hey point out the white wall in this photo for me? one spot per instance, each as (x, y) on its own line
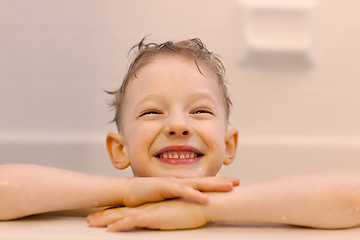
(294, 115)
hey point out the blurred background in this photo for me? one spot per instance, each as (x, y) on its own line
(292, 66)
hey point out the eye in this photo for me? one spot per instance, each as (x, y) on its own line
(203, 111)
(149, 112)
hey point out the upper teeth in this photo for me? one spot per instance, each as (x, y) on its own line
(178, 154)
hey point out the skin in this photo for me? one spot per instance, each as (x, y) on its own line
(319, 201)
(153, 120)
(32, 189)
(171, 105)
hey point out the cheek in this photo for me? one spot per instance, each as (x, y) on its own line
(213, 135)
(212, 132)
(140, 137)
(147, 132)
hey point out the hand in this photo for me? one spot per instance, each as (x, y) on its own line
(152, 189)
(166, 215)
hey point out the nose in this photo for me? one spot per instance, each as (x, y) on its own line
(183, 133)
(177, 126)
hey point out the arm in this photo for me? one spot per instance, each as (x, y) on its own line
(317, 201)
(327, 202)
(31, 189)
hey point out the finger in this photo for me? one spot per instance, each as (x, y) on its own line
(104, 212)
(94, 215)
(139, 220)
(183, 191)
(108, 217)
(100, 213)
(126, 223)
(190, 189)
(210, 180)
(212, 184)
(234, 180)
(162, 217)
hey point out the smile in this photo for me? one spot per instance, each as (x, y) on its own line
(179, 155)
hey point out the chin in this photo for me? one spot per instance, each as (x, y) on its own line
(182, 173)
(175, 172)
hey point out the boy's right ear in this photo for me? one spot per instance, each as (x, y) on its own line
(117, 150)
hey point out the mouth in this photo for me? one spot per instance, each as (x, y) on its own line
(179, 155)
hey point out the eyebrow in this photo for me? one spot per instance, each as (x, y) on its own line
(144, 100)
(147, 98)
(199, 94)
(204, 95)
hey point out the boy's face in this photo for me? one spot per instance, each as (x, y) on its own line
(173, 122)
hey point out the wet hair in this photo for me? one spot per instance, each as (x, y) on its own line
(191, 48)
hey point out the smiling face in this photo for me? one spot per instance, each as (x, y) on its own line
(173, 122)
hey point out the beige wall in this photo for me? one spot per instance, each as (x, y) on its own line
(297, 110)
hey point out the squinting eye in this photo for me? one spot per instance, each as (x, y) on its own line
(200, 111)
(148, 113)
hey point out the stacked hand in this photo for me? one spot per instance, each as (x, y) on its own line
(165, 215)
(171, 214)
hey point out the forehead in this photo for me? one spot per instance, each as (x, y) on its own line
(174, 61)
(176, 73)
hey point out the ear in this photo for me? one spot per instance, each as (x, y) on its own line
(231, 138)
(117, 150)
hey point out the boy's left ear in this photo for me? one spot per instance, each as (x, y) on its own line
(231, 138)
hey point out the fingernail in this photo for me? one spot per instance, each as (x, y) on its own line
(204, 199)
(92, 221)
(110, 227)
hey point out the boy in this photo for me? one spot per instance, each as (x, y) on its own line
(172, 115)
(31, 189)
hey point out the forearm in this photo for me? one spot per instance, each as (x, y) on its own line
(30, 189)
(313, 201)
